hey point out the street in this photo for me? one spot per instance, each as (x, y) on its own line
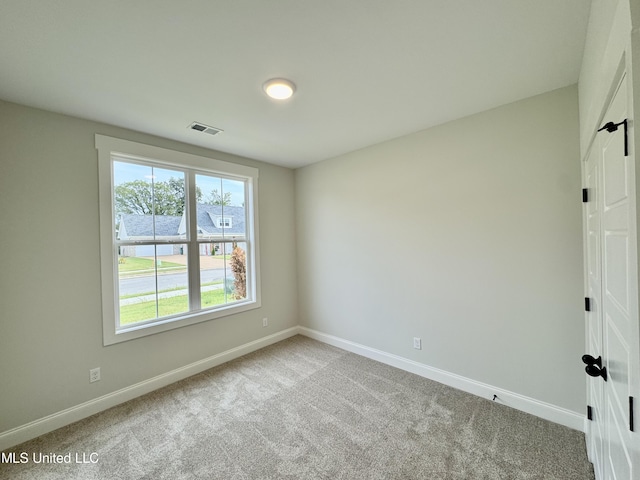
(146, 284)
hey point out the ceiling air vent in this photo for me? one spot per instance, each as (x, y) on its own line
(201, 127)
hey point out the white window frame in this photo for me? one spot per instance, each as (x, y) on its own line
(108, 148)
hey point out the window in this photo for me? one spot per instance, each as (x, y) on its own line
(223, 222)
(178, 239)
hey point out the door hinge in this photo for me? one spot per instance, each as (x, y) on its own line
(612, 127)
(587, 304)
(589, 412)
(585, 195)
(631, 414)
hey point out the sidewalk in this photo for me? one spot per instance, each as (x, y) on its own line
(174, 293)
(207, 262)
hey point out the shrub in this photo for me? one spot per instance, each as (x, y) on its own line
(239, 269)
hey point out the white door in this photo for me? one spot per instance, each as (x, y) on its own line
(612, 287)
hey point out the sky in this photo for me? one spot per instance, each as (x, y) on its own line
(126, 172)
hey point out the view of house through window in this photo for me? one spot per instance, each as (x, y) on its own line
(178, 239)
(153, 233)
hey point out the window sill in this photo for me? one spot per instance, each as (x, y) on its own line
(115, 335)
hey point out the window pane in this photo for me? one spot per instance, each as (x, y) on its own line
(220, 208)
(214, 270)
(152, 282)
(149, 202)
(222, 273)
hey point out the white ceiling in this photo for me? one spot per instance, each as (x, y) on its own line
(366, 70)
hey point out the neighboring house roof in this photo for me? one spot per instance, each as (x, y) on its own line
(140, 227)
(208, 215)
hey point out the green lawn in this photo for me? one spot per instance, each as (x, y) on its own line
(140, 312)
(134, 264)
(184, 287)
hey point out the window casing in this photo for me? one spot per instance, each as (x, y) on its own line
(171, 255)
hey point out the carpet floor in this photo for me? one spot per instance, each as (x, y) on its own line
(301, 409)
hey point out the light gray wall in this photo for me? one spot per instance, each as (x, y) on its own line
(467, 235)
(50, 298)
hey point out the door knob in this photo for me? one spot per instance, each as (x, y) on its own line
(594, 371)
(589, 360)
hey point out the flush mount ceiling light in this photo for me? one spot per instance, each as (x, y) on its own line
(279, 88)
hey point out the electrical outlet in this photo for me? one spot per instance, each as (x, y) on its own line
(265, 322)
(417, 343)
(94, 375)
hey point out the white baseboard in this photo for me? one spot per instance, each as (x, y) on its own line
(529, 405)
(49, 423)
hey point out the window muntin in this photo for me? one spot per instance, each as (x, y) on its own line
(180, 252)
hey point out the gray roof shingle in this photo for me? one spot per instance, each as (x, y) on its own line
(142, 225)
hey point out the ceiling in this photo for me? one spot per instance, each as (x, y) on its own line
(366, 70)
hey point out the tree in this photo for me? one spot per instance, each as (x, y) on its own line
(176, 187)
(216, 199)
(145, 198)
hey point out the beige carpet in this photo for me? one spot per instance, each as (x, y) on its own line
(301, 409)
